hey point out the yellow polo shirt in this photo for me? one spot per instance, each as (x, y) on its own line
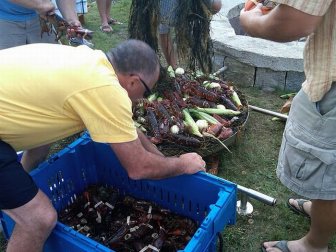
(50, 91)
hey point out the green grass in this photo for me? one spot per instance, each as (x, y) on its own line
(252, 163)
(105, 41)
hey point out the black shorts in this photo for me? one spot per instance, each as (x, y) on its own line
(16, 185)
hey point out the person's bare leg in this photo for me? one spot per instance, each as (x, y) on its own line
(108, 9)
(323, 223)
(101, 5)
(34, 222)
(322, 228)
(31, 158)
(166, 44)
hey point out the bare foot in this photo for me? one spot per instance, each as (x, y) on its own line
(306, 205)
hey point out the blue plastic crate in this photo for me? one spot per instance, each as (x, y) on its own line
(207, 199)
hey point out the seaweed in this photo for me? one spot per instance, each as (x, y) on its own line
(143, 21)
(192, 29)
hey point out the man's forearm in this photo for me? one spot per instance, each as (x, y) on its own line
(158, 167)
(147, 144)
(282, 24)
(68, 11)
(142, 164)
(31, 158)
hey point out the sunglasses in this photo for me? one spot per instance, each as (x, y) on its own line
(148, 92)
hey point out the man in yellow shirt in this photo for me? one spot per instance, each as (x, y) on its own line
(307, 157)
(48, 92)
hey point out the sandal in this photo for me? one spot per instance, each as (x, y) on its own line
(299, 209)
(281, 245)
(106, 28)
(113, 21)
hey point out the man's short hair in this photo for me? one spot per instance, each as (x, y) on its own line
(134, 56)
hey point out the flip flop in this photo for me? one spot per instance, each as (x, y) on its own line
(282, 245)
(298, 210)
(113, 21)
(106, 28)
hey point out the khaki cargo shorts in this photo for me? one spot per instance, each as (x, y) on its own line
(307, 157)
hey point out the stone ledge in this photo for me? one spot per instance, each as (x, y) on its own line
(260, 52)
(243, 74)
(254, 51)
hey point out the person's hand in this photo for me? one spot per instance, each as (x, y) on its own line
(257, 11)
(246, 17)
(79, 31)
(192, 163)
(74, 23)
(45, 8)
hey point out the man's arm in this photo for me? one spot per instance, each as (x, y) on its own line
(68, 10)
(147, 144)
(33, 157)
(142, 164)
(42, 7)
(282, 24)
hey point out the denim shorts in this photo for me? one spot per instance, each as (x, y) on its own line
(16, 186)
(307, 157)
(168, 11)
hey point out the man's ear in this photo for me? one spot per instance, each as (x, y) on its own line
(127, 81)
(132, 81)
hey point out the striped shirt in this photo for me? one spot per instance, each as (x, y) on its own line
(320, 49)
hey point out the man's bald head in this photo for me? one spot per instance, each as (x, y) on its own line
(134, 57)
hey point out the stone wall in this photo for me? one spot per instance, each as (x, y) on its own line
(252, 61)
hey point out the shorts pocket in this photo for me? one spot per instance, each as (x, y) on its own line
(299, 164)
(310, 147)
(303, 164)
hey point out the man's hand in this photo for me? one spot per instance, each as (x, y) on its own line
(45, 8)
(247, 16)
(192, 163)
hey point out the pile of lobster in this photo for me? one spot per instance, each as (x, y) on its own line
(126, 224)
(190, 108)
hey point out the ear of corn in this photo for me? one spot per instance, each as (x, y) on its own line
(219, 111)
(235, 98)
(191, 123)
(204, 116)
